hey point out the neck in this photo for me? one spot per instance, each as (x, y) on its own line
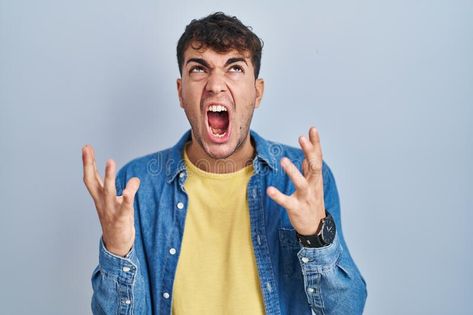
(243, 156)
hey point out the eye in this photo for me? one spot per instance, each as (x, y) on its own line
(236, 68)
(197, 69)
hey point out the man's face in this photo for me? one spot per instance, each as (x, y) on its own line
(219, 93)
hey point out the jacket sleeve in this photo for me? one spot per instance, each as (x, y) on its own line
(332, 282)
(117, 282)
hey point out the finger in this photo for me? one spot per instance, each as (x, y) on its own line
(130, 191)
(280, 198)
(314, 163)
(305, 168)
(318, 185)
(109, 181)
(314, 137)
(89, 178)
(96, 171)
(294, 174)
(97, 176)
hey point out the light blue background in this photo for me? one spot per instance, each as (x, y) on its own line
(389, 84)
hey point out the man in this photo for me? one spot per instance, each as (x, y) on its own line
(224, 222)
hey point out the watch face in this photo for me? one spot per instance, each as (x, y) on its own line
(328, 232)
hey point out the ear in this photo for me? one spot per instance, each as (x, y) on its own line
(179, 91)
(259, 85)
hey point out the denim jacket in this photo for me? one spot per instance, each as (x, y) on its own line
(293, 279)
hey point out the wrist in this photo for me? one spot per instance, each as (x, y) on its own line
(323, 237)
(121, 251)
(314, 229)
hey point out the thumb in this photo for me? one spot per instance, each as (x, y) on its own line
(130, 191)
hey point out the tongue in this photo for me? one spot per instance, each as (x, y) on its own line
(218, 120)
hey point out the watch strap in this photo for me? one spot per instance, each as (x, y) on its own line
(315, 240)
(312, 241)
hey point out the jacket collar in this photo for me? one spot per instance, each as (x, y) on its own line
(267, 153)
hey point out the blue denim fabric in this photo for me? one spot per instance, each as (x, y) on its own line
(294, 280)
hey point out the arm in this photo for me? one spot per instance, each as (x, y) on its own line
(117, 281)
(332, 281)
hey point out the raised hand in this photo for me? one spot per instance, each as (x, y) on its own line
(116, 213)
(305, 207)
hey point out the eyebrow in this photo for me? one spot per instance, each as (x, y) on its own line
(205, 63)
(235, 59)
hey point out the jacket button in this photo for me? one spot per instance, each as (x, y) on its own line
(166, 295)
(180, 205)
(172, 251)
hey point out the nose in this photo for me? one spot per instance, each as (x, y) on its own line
(216, 83)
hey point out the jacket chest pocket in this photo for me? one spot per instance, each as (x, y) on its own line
(289, 247)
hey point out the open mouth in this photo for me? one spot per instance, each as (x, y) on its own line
(218, 120)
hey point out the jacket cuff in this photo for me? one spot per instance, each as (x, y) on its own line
(318, 259)
(123, 269)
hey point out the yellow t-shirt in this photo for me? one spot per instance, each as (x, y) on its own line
(216, 272)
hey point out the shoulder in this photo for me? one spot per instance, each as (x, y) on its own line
(158, 165)
(150, 166)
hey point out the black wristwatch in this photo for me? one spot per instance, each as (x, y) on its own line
(324, 237)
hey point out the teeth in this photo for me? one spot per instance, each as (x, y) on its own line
(217, 108)
(216, 134)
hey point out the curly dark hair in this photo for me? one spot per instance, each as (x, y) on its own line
(221, 33)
